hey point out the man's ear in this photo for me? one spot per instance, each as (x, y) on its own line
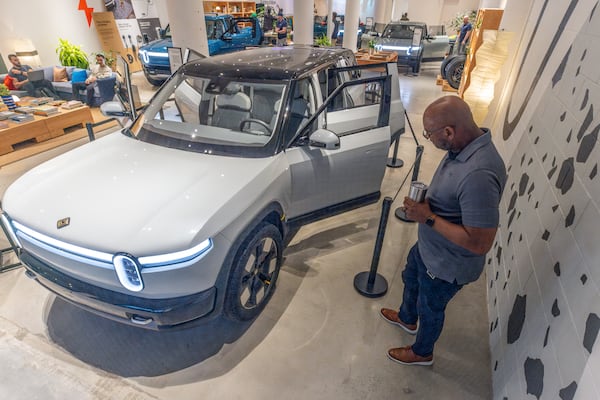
(449, 131)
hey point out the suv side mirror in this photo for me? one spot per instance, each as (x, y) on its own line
(226, 36)
(324, 139)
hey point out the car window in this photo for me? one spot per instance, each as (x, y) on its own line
(196, 113)
(398, 31)
(214, 29)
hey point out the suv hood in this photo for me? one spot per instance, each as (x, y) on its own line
(118, 190)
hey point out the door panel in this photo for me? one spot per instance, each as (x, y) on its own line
(359, 116)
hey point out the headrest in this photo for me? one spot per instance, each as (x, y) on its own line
(239, 101)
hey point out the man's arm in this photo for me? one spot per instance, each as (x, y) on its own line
(476, 240)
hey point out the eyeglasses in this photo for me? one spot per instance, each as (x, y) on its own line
(427, 134)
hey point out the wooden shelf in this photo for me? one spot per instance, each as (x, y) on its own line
(235, 8)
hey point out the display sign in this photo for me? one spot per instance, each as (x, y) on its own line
(148, 28)
(417, 34)
(113, 40)
(175, 58)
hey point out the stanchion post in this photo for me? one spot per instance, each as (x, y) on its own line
(394, 162)
(90, 130)
(370, 283)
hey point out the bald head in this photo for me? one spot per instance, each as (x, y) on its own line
(453, 113)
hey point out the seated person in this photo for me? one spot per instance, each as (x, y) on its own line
(21, 82)
(100, 70)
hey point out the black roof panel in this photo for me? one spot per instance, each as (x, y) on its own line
(270, 63)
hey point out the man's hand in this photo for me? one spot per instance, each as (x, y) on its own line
(417, 212)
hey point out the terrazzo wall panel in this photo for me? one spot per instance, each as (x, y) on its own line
(544, 270)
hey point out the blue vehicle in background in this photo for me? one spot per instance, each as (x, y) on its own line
(225, 34)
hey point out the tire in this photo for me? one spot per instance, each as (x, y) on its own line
(454, 71)
(254, 272)
(445, 62)
(154, 82)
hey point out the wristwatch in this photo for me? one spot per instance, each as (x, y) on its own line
(430, 220)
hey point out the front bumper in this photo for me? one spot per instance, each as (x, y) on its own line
(157, 72)
(155, 314)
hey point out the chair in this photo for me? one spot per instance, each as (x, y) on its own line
(231, 110)
(299, 111)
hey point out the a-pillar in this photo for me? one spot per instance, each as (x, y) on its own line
(188, 28)
(351, 17)
(383, 11)
(303, 22)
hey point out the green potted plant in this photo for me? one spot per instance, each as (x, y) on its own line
(323, 41)
(7, 97)
(71, 55)
(4, 90)
(371, 46)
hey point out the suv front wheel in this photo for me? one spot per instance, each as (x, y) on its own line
(254, 272)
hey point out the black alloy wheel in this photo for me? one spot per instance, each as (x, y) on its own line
(254, 273)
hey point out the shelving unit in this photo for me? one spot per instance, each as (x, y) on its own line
(235, 8)
(487, 18)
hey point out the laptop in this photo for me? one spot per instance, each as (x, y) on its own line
(35, 75)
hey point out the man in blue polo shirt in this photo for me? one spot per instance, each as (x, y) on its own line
(457, 225)
(465, 34)
(281, 29)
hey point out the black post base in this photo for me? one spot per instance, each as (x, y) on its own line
(395, 162)
(377, 289)
(401, 215)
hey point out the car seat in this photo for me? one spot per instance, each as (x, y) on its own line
(232, 109)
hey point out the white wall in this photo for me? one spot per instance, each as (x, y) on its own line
(41, 29)
(543, 274)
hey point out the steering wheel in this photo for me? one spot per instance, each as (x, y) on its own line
(257, 121)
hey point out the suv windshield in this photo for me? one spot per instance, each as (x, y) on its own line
(398, 31)
(212, 115)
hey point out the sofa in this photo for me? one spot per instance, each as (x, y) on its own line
(63, 85)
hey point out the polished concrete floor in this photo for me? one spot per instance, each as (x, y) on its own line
(317, 339)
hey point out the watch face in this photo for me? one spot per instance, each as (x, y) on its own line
(430, 221)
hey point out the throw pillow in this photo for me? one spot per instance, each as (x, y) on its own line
(79, 75)
(60, 74)
(10, 84)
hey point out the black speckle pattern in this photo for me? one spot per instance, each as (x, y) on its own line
(586, 123)
(546, 336)
(534, 376)
(566, 176)
(561, 68)
(583, 279)
(523, 184)
(592, 324)
(557, 269)
(555, 309)
(594, 172)
(570, 217)
(587, 144)
(567, 393)
(516, 319)
(546, 235)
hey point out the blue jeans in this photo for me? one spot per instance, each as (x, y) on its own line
(424, 299)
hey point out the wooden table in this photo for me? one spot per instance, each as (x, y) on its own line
(43, 128)
(363, 57)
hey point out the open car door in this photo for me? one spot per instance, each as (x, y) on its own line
(337, 158)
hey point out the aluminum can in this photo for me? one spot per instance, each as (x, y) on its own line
(417, 191)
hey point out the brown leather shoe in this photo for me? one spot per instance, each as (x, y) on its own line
(391, 316)
(405, 356)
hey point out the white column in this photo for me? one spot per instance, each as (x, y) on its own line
(187, 25)
(383, 11)
(303, 22)
(351, 24)
(492, 4)
(329, 21)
